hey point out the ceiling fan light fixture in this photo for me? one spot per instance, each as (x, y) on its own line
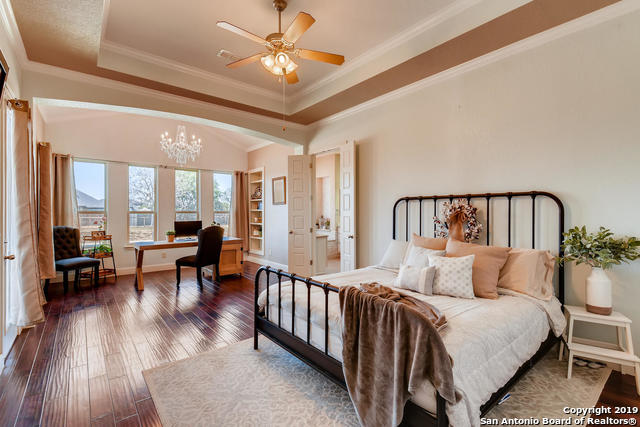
(274, 64)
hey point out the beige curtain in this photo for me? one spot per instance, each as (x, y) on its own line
(241, 208)
(65, 204)
(27, 297)
(46, 258)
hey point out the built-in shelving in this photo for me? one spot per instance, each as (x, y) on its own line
(256, 211)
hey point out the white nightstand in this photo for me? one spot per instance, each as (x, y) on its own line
(621, 354)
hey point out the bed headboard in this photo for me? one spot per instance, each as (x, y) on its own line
(484, 203)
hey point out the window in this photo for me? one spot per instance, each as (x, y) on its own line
(187, 201)
(90, 179)
(222, 188)
(142, 203)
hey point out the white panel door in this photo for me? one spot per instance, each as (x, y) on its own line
(348, 236)
(300, 177)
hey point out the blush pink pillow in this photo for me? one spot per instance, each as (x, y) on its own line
(436, 243)
(530, 272)
(486, 265)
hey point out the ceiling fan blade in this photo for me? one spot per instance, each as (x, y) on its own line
(245, 61)
(239, 31)
(315, 55)
(292, 78)
(297, 28)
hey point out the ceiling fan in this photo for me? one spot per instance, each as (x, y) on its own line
(281, 46)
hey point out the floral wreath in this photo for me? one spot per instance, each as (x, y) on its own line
(458, 210)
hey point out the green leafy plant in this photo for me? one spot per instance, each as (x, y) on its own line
(600, 249)
(170, 233)
(103, 249)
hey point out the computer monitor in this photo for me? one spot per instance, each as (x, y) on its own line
(187, 228)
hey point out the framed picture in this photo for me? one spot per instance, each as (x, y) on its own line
(279, 193)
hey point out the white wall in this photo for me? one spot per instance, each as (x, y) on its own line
(274, 159)
(135, 139)
(561, 117)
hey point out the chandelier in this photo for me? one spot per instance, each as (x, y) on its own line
(181, 149)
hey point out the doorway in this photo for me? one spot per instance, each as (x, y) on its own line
(327, 209)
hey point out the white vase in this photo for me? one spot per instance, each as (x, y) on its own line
(598, 291)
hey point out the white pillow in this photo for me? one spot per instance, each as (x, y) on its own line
(453, 276)
(416, 279)
(419, 257)
(394, 254)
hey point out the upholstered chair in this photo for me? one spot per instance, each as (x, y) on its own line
(209, 248)
(68, 256)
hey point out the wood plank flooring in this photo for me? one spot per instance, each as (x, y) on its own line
(84, 365)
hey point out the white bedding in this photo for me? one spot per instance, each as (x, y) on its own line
(488, 340)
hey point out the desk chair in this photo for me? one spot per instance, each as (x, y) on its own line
(66, 247)
(209, 248)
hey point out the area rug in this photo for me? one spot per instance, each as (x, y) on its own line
(236, 386)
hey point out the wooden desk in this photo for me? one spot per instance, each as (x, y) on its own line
(230, 257)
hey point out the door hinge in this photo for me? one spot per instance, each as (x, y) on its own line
(310, 229)
(310, 165)
(310, 262)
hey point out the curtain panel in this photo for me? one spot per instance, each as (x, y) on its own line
(46, 258)
(241, 208)
(27, 297)
(65, 204)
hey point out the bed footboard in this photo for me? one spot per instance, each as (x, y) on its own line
(318, 358)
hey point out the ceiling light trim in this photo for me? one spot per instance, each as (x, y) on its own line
(161, 61)
(584, 22)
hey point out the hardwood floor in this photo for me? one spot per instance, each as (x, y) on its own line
(84, 365)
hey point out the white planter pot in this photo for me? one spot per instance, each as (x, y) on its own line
(598, 292)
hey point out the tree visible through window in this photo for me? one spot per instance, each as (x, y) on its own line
(222, 190)
(142, 203)
(90, 193)
(187, 202)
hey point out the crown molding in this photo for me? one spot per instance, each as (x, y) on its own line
(160, 61)
(455, 8)
(584, 22)
(11, 27)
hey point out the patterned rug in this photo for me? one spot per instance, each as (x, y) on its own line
(239, 386)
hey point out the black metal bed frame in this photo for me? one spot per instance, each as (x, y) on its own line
(320, 359)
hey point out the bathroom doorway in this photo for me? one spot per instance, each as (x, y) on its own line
(327, 208)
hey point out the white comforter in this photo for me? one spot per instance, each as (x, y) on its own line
(488, 340)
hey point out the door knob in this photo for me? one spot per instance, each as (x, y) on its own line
(290, 231)
(9, 257)
(350, 236)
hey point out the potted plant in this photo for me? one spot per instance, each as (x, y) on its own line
(171, 235)
(601, 250)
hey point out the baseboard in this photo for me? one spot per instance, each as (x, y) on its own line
(263, 261)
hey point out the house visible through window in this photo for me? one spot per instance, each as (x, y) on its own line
(90, 179)
(222, 190)
(142, 203)
(187, 200)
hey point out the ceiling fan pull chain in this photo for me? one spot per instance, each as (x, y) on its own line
(283, 103)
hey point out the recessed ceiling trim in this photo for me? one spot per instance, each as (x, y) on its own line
(381, 49)
(584, 22)
(186, 69)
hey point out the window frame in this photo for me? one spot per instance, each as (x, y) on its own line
(106, 184)
(197, 211)
(213, 181)
(154, 213)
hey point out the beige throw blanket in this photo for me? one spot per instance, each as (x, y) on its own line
(390, 346)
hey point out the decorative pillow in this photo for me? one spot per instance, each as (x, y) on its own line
(486, 267)
(394, 254)
(529, 271)
(416, 279)
(437, 243)
(419, 257)
(453, 276)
